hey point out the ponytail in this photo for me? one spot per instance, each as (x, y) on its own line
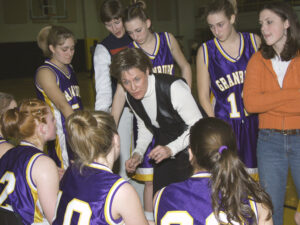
(213, 145)
(20, 122)
(9, 123)
(136, 10)
(229, 7)
(90, 135)
(234, 6)
(229, 179)
(52, 35)
(42, 40)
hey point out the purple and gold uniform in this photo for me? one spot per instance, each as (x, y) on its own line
(18, 191)
(161, 58)
(189, 203)
(59, 149)
(87, 196)
(163, 63)
(227, 76)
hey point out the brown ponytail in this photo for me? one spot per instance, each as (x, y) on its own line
(20, 122)
(136, 10)
(231, 185)
(90, 135)
(52, 35)
(229, 7)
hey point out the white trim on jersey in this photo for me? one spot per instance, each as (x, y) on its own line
(205, 54)
(156, 203)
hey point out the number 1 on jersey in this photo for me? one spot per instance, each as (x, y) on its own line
(234, 112)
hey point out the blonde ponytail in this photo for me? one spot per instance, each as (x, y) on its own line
(42, 40)
(234, 6)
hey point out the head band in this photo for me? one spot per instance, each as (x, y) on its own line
(222, 148)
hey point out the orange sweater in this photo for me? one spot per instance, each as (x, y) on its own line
(278, 108)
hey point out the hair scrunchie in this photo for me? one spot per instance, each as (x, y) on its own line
(222, 148)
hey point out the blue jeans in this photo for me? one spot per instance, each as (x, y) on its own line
(275, 154)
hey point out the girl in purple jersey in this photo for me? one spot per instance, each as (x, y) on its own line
(221, 66)
(221, 17)
(7, 102)
(56, 84)
(89, 187)
(57, 44)
(31, 177)
(220, 191)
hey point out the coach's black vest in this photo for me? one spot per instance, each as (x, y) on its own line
(170, 122)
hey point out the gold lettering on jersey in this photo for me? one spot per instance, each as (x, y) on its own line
(218, 83)
(224, 83)
(165, 69)
(71, 92)
(231, 80)
(236, 78)
(242, 75)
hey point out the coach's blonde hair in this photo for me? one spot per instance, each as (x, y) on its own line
(90, 135)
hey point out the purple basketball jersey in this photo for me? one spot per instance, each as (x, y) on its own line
(18, 191)
(161, 58)
(87, 196)
(227, 77)
(188, 202)
(60, 151)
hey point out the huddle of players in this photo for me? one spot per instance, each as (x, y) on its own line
(90, 193)
(221, 188)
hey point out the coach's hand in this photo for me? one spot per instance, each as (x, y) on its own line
(159, 153)
(133, 162)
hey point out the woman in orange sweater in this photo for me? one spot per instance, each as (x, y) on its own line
(272, 89)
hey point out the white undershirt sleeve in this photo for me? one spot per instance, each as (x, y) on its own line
(185, 104)
(102, 60)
